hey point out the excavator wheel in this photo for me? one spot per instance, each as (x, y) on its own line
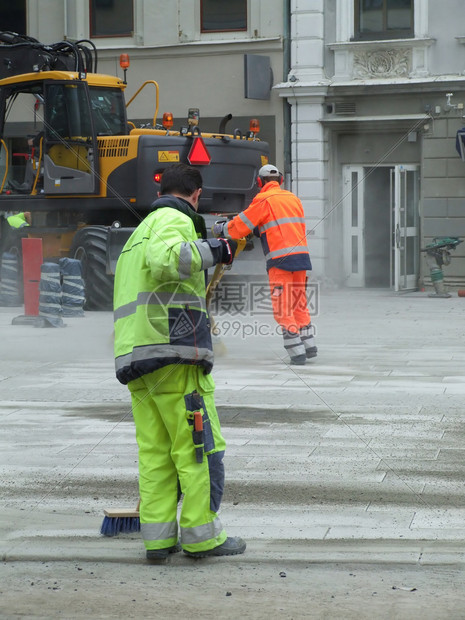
(90, 246)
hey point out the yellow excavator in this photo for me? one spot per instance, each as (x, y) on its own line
(87, 175)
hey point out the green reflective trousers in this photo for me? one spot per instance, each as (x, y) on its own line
(162, 410)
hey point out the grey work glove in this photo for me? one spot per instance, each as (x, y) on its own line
(218, 228)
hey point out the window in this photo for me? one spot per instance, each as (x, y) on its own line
(111, 18)
(108, 111)
(383, 19)
(13, 15)
(67, 113)
(222, 15)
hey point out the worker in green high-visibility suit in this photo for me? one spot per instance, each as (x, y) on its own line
(19, 220)
(163, 352)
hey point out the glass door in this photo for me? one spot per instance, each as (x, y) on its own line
(353, 210)
(405, 227)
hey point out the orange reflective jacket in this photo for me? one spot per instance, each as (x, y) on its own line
(279, 217)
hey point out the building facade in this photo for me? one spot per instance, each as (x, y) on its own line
(360, 100)
(377, 92)
(202, 53)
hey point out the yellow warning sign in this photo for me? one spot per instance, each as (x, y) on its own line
(164, 156)
(264, 159)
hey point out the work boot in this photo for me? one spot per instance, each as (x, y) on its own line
(162, 554)
(231, 546)
(298, 360)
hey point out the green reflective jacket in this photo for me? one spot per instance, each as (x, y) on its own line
(17, 221)
(160, 310)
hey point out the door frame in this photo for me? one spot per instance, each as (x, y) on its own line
(401, 231)
(353, 202)
(353, 225)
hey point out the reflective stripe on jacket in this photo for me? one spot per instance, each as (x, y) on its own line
(279, 217)
(160, 310)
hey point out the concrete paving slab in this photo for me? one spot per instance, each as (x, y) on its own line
(355, 457)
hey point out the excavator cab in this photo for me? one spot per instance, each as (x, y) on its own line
(52, 126)
(69, 156)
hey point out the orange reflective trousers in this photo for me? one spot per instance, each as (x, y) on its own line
(289, 299)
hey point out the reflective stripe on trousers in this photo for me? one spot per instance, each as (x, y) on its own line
(293, 344)
(166, 453)
(290, 309)
(307, 337)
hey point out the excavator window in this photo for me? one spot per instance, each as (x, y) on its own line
(67, 112)
(108, 111)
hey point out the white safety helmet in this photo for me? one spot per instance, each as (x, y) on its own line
(267, 173)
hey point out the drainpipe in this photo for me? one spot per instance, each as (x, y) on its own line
(286, 104)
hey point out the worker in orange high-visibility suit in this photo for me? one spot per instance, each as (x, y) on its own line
(277, 216)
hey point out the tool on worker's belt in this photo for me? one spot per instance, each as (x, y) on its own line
(195, 408)
(197, 436)
(437, 255)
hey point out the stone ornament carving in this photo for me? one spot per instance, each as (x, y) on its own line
(382, 64)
